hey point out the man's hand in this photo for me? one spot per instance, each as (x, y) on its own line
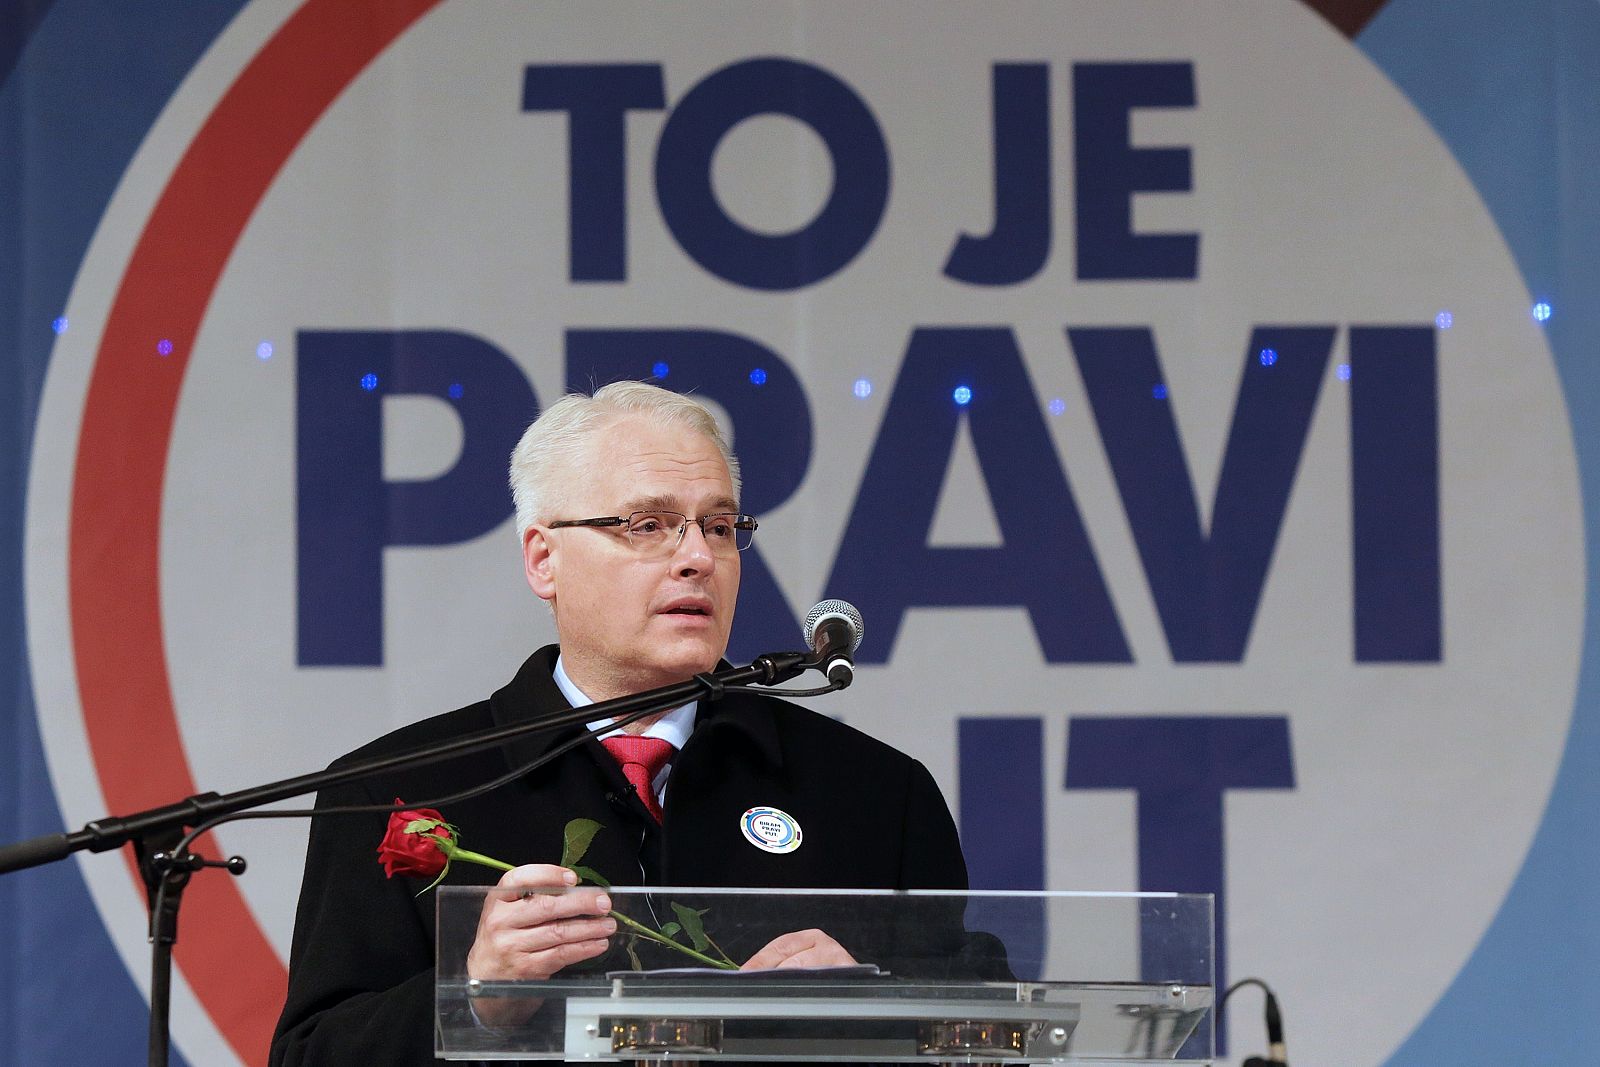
(803, 948)
(534, 935)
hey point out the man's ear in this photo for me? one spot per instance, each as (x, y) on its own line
(538, 562)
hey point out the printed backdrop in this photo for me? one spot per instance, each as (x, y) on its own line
(1196, 399)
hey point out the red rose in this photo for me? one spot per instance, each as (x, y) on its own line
(418, 843)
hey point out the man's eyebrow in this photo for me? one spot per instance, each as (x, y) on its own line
(720, 505)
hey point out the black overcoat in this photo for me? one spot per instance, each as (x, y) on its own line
(361, 966)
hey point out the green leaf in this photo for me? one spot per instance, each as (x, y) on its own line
(575, 840)
(589, 874)
(633, 953)
(670, 930)
(692, 925)
(421, 826)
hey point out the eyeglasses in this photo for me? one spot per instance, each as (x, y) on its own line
(659, 533)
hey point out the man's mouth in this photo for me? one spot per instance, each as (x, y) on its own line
(687, 609)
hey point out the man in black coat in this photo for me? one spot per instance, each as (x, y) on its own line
(628, 514)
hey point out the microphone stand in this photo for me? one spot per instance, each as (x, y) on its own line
(155, 831)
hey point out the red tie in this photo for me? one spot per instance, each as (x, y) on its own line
(642, 759)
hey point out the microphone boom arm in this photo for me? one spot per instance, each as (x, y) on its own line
(103, 835)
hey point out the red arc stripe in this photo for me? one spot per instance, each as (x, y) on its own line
(114, 537)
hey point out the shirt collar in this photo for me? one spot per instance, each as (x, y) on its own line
(533, 692)
(674, 727)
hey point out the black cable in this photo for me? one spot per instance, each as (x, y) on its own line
(1277, 1055)
(819, 691)
(1235, 987)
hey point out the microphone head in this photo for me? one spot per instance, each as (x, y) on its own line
(836, 609)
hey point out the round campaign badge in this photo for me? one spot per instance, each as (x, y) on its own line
(770, 830)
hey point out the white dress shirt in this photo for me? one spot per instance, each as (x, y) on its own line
(674, 727)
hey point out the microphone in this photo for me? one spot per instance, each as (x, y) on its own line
(1275, 1045)
(834, 630)
(1277, 1052)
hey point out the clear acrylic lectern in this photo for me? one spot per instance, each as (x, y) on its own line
(979, 977)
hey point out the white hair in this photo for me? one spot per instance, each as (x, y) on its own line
(555, 451)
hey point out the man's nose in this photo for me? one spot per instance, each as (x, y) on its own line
(693, 554)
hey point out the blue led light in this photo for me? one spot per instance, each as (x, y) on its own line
(164, 346)
(962, 395)
(862, 388)
(264, 351)
(1444, 320)
(1057, 406)
(1343, 371)
(659, 370)
(1541, 311)
(59, 325)
(1269, 356)
(1159, 392)
(369, 381)
(758, 377)
(455, 391)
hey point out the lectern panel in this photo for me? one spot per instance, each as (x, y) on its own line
(976, 977)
